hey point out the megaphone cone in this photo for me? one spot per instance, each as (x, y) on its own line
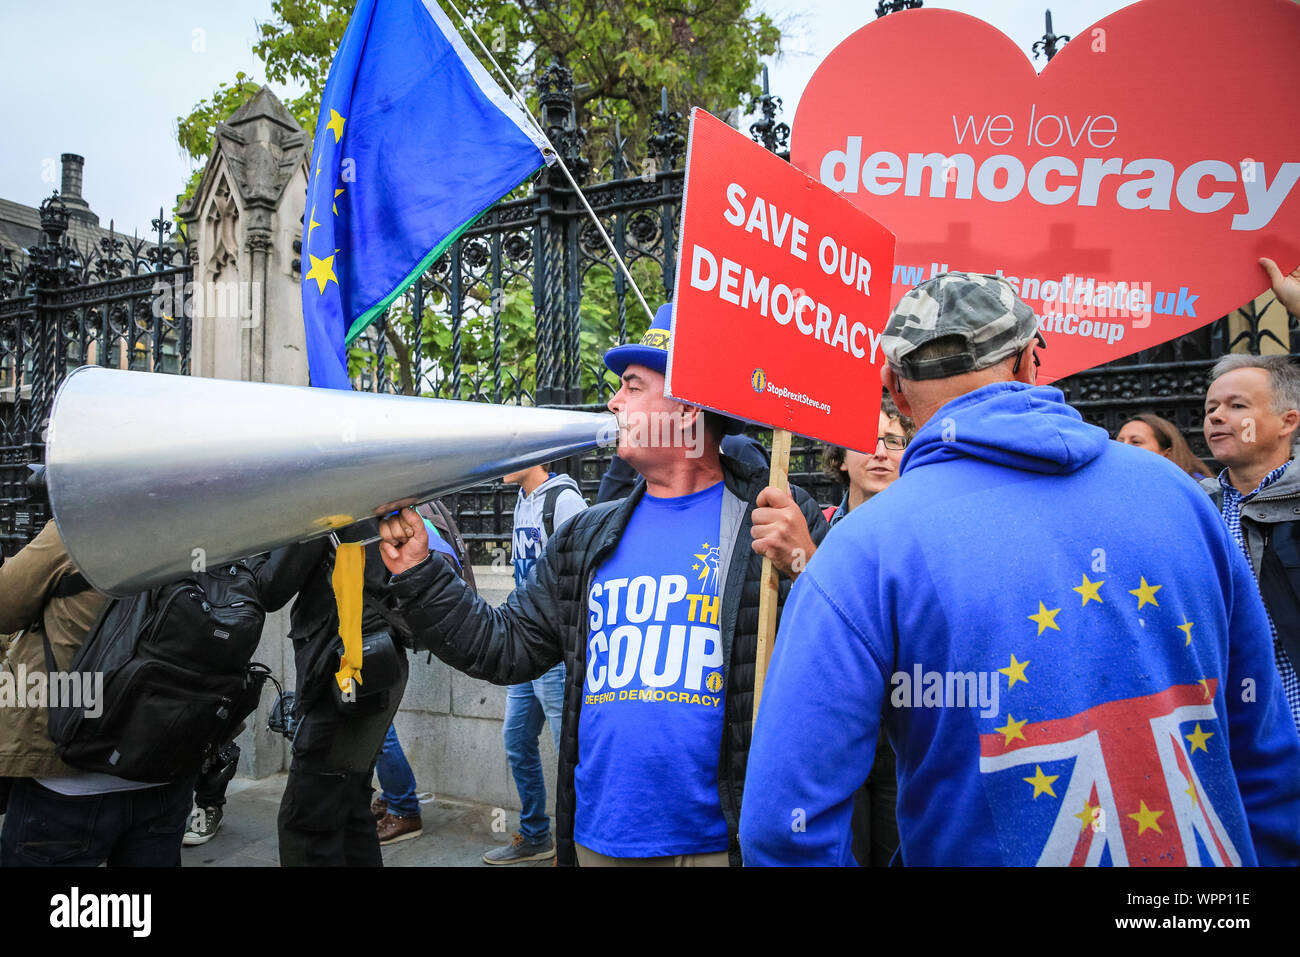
(153, 476)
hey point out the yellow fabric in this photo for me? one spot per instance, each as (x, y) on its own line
(349, 569)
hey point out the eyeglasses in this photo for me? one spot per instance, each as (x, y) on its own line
(1042, 344)
(895, 443)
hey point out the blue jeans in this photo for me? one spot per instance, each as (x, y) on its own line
(527, 705)
(141, 828)
(396, 782)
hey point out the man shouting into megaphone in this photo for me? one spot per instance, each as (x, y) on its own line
(651, 602)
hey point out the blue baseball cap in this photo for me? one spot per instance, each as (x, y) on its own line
(652, 352)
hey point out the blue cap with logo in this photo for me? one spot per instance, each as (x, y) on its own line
(652, 352)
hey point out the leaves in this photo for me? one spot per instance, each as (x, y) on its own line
(621, 53)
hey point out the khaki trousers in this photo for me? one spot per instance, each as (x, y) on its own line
(589, 858)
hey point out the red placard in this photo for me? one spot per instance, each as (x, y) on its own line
(782, 292)
(1158, 150)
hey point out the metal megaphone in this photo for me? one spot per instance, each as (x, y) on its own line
(148, 473)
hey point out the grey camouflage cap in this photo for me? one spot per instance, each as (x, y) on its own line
(982, 310)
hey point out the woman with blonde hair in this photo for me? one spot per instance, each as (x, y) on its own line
(1161, 436)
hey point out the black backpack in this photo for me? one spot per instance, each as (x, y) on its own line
(176, 677)
(549, 499)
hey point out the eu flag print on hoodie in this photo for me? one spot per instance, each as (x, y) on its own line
(650, 730)
(1070, 653)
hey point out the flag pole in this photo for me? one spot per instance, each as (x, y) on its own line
(523, 105)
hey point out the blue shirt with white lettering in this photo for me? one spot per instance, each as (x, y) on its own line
(650, 728)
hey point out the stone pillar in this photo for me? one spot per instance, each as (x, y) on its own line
(246, 219)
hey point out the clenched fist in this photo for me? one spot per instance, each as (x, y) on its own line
(405, 540)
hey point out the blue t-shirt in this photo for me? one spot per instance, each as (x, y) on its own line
(652, 709)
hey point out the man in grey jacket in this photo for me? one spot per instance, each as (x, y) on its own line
(1252, 420)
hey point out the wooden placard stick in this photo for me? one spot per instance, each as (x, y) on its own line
(770, 580)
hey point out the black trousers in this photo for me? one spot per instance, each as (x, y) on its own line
(875, 822)
(140, 828)
(324, 818)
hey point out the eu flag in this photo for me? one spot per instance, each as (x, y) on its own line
(415, 141)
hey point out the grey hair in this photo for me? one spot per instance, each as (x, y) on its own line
(1283, 377)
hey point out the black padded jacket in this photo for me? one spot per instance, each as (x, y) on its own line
(544, 621)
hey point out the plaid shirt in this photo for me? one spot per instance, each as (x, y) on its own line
(1232, 502)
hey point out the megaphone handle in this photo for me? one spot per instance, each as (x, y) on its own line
(334, 540)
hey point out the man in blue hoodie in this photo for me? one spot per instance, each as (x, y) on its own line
(1071, 656)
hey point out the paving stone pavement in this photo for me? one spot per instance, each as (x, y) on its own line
(455, 834)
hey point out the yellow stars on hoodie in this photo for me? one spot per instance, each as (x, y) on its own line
(1042, 782)
(1089, 591)
(1046, 618)
(1146, 594)
(1198, 739)
(1146, 819)
(1088, 816)
(1011, 730)
(1014, 672)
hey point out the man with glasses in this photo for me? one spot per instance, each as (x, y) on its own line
(1070, 649)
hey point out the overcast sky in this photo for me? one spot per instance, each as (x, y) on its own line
(108, 80)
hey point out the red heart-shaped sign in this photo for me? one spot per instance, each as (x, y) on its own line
(1128, 189)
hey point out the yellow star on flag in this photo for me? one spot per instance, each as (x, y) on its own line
(1086, 815)
(335, 125)
(1146, 819)
(1205, 683)
(1012, 729)
(1146, 594)
(312, 224)
(1089, 591)
(337, 194)
(322, 270)
(1186, 628)
(1014, 672)
(1198, 739)
(1191, 790)
(1042, 782)
(1045, 618)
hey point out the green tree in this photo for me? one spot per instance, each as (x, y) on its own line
(621, 52)
(705, 52)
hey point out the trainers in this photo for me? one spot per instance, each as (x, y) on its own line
(519, 850)
(393, 829)
(204, 822)
(378, 808)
